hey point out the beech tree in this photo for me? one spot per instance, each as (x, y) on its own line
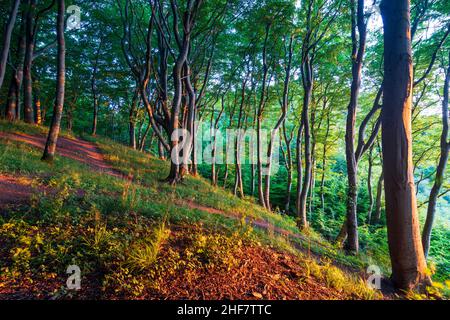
(55, 126)
(409, 268)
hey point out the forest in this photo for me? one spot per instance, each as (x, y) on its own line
(225, 149)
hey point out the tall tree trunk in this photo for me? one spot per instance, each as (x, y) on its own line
(94, 89)
(284, 107)
(7, 39)
(299, 174)
(50, 147)
(324, 162)
(377, 214)
(132, 120)
(288, 161)
(261, 106)
(358, 49)
(37, 102)
(29, 51)
(238, 185)
(369, 186)
(439, 179)
(307, 85)
(13, 101)
(409, 267)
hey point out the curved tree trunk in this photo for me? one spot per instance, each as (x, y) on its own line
(409, 268)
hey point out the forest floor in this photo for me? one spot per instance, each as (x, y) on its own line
(103, 206)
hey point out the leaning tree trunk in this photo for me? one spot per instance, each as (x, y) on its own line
(409, 268)
(439, 179)
(7, 39)
(50, 147)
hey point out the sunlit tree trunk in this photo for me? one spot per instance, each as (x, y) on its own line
(405, 246)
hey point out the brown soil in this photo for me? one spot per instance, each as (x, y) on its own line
(14, 191)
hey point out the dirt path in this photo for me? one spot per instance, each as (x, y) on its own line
(76, 149)
(15, 191)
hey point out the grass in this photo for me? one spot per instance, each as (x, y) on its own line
(116, 224)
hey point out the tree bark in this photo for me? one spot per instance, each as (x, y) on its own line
(94, 89)
(13, 101)
(369, 186)
(29, 51)
(358, 49)
(409, 269)
(284, 107)
(442, 165)
(50, 147)
(7, 39)
(377, 214)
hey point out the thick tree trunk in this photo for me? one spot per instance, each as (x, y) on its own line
(29, 51)
(7, 39)
(443, 159)
(50, 147)
(409, 267)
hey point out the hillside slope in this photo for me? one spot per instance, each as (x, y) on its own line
(134, 236)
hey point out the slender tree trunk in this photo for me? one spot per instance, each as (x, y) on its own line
(29, 51)
(442, 165)
(238, 185)
(369, 187)
(7, 39)
(303, 221)
(284, 107)
(37, 102)
(13, 101)
(50, 147)
(324, 162)
(299, 174)
(132, 120)
(260, 112)
(358, 49)
(288, 160)
(409, 267)
(94, 89)
(377, 214)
